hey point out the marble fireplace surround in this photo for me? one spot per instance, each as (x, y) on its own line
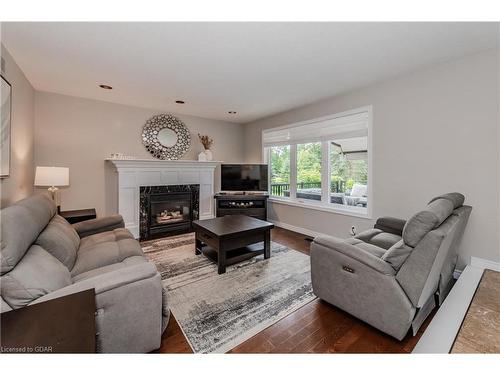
(132, 174)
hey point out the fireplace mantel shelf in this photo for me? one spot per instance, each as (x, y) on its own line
(156, 163)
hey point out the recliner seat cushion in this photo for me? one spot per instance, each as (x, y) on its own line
(378, 238)
(385, 240)
(424, 221)
(372, 249)
(60, 239)
(21, 224)
(105, 248)
(367, 235)
(37, 273)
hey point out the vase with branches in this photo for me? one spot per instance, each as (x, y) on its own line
(207, 142)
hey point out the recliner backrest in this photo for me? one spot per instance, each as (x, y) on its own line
(429, 267)
(446, 276)
(417, 227)
(456, 198)
(21, 224)
(415, 230)
(419, 275)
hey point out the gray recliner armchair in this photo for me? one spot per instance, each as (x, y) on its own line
(44, 257)
(391, 276)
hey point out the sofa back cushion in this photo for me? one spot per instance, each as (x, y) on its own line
(22, 222)
(60, 239)
(36, 274)
(424, 221)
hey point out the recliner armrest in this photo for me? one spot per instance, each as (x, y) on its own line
(390, 225)
(354, 252)
(99, 225)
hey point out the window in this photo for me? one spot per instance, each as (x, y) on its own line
(280, 171)
(349, 171)
(309, 171)
(322, 163)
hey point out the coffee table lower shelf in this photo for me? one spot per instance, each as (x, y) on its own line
(236, 255)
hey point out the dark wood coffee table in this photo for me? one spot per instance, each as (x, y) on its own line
(231, 239)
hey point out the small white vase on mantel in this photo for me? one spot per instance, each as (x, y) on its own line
(208, 154)
(202, 156)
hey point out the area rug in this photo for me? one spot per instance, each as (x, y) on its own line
(218, 312)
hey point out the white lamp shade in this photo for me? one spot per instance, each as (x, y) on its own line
(52, 176)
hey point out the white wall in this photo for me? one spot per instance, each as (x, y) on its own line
(20, 182)
(81, 133)
(434, 131)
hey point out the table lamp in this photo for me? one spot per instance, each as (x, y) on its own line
(53, 177)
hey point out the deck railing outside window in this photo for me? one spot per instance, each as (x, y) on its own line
(278, 190)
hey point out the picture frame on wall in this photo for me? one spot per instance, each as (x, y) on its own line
(5, 126)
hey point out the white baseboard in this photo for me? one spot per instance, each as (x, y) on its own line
(484, 264)
(293, 228)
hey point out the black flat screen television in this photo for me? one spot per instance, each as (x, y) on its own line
(244, 177)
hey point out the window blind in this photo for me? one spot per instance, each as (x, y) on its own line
(349, 126)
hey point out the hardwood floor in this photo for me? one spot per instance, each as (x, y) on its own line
(314, 328)
(480, 330)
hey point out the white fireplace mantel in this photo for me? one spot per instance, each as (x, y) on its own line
(134, 173)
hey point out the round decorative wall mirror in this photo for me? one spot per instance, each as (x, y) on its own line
(166, 137)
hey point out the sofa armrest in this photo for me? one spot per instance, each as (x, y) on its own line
(356, 253)
(129, 315)
(102, 224)
(390, 225)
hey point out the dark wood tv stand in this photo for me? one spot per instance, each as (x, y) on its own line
(254, 205)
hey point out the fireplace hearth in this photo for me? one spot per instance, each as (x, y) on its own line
(167, 210)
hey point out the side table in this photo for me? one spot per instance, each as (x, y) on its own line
(60, 325)
(75, 216)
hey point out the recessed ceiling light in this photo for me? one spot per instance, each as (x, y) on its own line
(105, 87)
(232, 112)
(180, 101)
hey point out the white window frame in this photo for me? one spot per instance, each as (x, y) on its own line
(324, 204)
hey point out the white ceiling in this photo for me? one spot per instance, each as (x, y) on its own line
(256, 69)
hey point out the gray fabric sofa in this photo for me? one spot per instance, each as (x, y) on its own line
(44, 257)
(393, 275)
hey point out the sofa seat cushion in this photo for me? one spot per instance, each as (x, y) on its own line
(127, 262)
(60, 239)
(378, 238)
(369, 248)
(103, 249)
(37, 273)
